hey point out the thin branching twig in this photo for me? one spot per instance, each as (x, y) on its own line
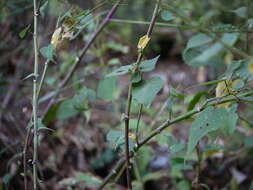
(129, 99)
(35, 99)
(167, 124)
(79, 58)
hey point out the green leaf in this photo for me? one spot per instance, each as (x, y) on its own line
(106, 88)
(66, 110)
(136, 77)
(114, 61)
(52, 113)
(195, 100)
(208, 54)
(23, 32)
(148, 65)
(43, 9)
(6, 178)
(209, 120)
(117, 47)
(183, 185)
(198, 40)
(120, 71)
(89, 180)
(117, 139)
(88, 93)
(166, 139)
(47, 52)
(248, 141)
(70, 107)
(106, 157)
(41, 126)
(241, 12)
(167, 16)
(175, 148)
(178, 163)
(144, 92)
(169, 103)
(174, 93)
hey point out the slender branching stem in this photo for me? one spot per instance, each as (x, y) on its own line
(179, 26)
(42, 78)
(129, 100)
(167, 124)
(35, 100)
(209, 33)
(247, 33)
(198, 167)
(119, 174)
(128, 109)
(138, 174)
(112, 174)
(79, 58)
(27, 139)
(138, 124)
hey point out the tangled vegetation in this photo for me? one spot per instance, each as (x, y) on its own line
(120, 94)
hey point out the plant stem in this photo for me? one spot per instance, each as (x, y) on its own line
(168, 123)
(209, 33)
(138, 123)
(247, 33)
(138, 174)
(119, 174)
(129, 99)
(27, 139)
(35, 100)
(42, 78)
(198, 168)
(179, 26)
(128, 109)
(112, 174)
(83, 52)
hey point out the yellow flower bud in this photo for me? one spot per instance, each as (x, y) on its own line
(56, 37)
(143, 41)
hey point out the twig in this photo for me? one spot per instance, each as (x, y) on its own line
(138, 174)
(27, 139)
(196, 182)
(42, 78)
(209, 33)
(112, 174)
(128, 109)
(179, 26)
(35, 100)
(119, 173)
(129, 100)
(138, 123)
(247, 33)
(168, 123)
(83, 52)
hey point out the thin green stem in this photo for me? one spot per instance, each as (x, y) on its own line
(42, 78)
(179, 26)
(198, 167)
(27, 139)
(207, 32)
(127, 118)
(138, 124)
(247, 33)
(79, 58)
(129, 100)
(119, 173)
(168, 123)
(35, 100)
(138, 174)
